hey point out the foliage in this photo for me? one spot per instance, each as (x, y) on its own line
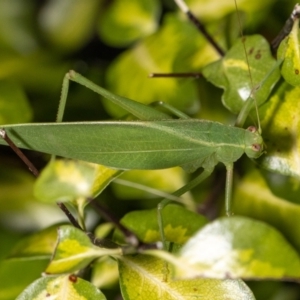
(117, 44)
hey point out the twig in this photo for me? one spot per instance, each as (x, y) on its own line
(12, 145)
(130, 237)
(287, 27)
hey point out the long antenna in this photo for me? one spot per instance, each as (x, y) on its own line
(251, 96)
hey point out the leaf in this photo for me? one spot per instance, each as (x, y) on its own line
(147, 57)
(16, 31)
(165, 180)
(13, 103)
(68, 287)
(289, 51)
(238, 247)
(67, 180)
(280, 130)
(41, 243)
(179, 224)
(142, 278)
(231, 73)
(266, 206)
(105, 273)
(17, 273)
(16, 190)
(68, 24)
(206, 10)
(75, 251)
(118, 27)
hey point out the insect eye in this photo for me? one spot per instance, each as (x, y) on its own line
(252, 128)
(256, 147)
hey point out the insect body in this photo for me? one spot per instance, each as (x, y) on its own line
(153, 143)
(141, 144)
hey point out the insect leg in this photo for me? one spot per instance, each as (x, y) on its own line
(206, 173)
(171, 108)
(228, 189)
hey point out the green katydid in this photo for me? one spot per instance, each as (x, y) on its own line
(155, 142)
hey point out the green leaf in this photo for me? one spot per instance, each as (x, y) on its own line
(61, 287)
(147, 57)
(17, 273)
(206, 10)
(166, 180)
(280, 130)
(16, 189)
(289, 51)
(265, 206)
(232, 74)
(67, 180)
(75, 251)
(38, 244)
(128, 20)
(16, 31)
(105, 273)
(68, 24)
(238, 247)
(179, 224)
(14, 106)
(142, 278)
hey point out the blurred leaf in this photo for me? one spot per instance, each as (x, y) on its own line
(128, 20)
(61, 287)
(232, 74)
(75, 251)
(206, 10)
(68, 180)
(289, 51)
(16, 30)
(142, 277)
(179, 224)
(238, 247)
(14, 106)
(166, 180)
(103, 230)
(285, 187)
(103, 177)
(68, 24)
(148, 57)
(16, 188)
(105, 273)
(264, 205)
(17, 273)
(280, 130)
(38, 244)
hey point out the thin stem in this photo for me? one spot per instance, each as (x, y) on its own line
(285, 31)
(18, 151)
(130, 236)
(181, 4)
(176, 75)
(69, 215)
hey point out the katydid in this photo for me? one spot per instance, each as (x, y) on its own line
(156, 141)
